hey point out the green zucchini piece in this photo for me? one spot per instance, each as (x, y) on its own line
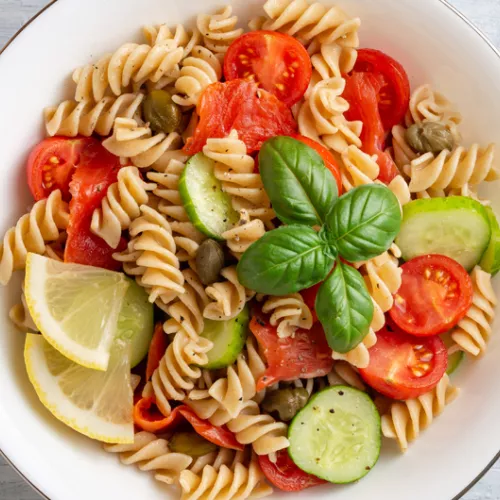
(337, 435)
(136, 322)
(491, 258)
(228, 337)
(457, 227)
(207, 206)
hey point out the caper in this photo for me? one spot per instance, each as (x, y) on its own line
(429, 137)
(286, 402)
(209, 261)
(162, 114)
(191, 444)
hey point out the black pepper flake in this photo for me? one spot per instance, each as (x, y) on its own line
(332, 411)
(241, 399)
(261, 323)
(368, 467)
(341, 393)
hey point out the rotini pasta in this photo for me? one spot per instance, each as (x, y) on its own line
(129, 140)
(120, 206)
(359, 356)
(240, 237)
(151, 453)
(216, 459)
(33, 231)
(156, 35)
(261, 431)
(228, 297)
(219, 30)
(19, 315)
(126, 69)
(332, 61)
(235, 170)
(402, 153)
(456, 170)
(161, 275)
(406, 419)
(473, 331)
(288, 313)
(198, 71)
(72, 118)
(239, 482)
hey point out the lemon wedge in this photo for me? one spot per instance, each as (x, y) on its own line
(75, 307)
(95, 403)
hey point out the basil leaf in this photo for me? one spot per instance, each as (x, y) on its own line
(345, 308)
(286, 260)
(364, 222)
(301, 189)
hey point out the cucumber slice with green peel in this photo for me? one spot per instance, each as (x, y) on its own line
(337, 435)
(228, 337)
(455, 358)
(457, 227)
(207, 206)
(491, 258)
(135, 322)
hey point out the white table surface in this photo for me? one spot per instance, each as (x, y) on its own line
(14, 13)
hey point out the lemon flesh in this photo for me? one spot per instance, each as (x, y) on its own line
(95, 403)
(75, 307)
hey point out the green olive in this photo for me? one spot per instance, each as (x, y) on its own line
(429, 137)
(191, 444)
(209, 261)
(286, 402)
(162, 114)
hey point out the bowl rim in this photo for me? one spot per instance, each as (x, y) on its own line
(455, 11)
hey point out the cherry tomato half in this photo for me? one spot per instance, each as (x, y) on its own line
(279, 62)
(435, 294)
(404, 367)
(394, 96)
(51, 164)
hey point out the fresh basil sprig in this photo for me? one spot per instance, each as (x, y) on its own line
(301, 189)
(345, 308)
(357, 226)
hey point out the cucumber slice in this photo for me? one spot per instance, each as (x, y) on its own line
(135, 322)
(455, 359)
(228, 337)
(491, 258)
(207, 206)
(457, 227)
(337, 435)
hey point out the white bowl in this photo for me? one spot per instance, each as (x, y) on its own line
(434, 43)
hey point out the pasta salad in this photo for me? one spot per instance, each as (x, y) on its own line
(254, 257)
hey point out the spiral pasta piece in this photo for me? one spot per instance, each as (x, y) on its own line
(234, 168)
(332, 61)
(33, 231)
(288, 313)
(228, 297)
(120, 206)
(126, 69)
(360, 355)
(216, 459)
(321, 116)
(178, 370)
(72, 118)
(219, 30)
(247, 231)
(459, 169)
(20, 316)
(239, 482)
(402, 153)
(261, 431)
(156, 35)
(473, 331)
(405, 420)
(151, 453)
(198, 71)
(311, 22)
(160, 269)
(129, 140)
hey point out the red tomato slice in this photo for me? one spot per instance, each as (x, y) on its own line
(405, 367)
(330, 162)
(157, 348)
(254, 113)
(97, 170)
(285, 475)
(394, 96)
(279, 62)
(51, 164)
(435, 294)
(361, 92)
(148, 417)
(306, 355)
